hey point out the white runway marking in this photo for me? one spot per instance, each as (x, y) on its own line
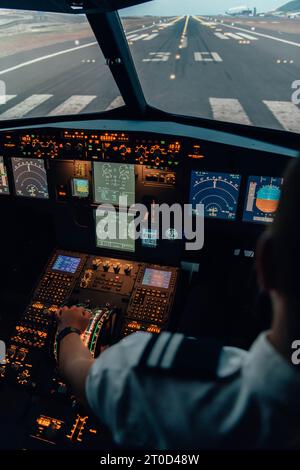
(45, 57)
(150, 37)
(23, 108)
(131, 36)
(73, 105)
(6, 98)
(229, 110)
(184, 43)
(248, 36)
(116, 103)
(221, 36)
(287, 113)
(207, 57)
(158, 57)
(141, 36)
(267, 36)
(233, 36)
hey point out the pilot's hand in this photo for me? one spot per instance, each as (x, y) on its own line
(75, 317)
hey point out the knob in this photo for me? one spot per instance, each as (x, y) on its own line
(95, 264)
(127, 269)
(68, 146)
(116, 268)
(106, 266)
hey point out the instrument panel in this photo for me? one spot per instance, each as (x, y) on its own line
(83, 169)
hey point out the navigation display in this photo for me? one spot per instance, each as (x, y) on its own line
(157, 278)
(113, 180)
(4, 188)
(80, 187)
(30, 178)
(263, 194)
(113, 231)
(218, 192)
(66, 264)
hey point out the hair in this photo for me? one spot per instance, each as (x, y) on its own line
(285, 235)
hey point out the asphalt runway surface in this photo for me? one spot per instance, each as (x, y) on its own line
(229, 69)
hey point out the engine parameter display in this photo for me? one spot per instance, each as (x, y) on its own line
(112, 181)
(30, 178)
(157, 278)
(80, 187)
(263, 195)
(66, 264)
(115, 231)
(218, 192)
(4, 188)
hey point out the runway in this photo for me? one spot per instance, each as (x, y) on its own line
(234, 70)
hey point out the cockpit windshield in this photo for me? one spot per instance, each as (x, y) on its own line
(218, 60)
(214, 60)
(51, 64)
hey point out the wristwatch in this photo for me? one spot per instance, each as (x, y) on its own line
(62, 334)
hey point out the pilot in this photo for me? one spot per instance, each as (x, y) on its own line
(175, 392)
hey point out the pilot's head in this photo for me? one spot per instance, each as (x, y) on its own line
(278, 253)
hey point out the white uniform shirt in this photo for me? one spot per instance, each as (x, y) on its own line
(255, 404)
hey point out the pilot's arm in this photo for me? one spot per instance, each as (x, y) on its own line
(172, 392)
(75, 359)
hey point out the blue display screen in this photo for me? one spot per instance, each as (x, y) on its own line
(66, 264)
(218, 192)
(157, 278)
(263, 195)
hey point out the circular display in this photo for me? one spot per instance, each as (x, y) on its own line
(262, 200)
(30, 178)
(218, 192)
(268, 198)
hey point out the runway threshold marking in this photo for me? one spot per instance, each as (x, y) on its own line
(221, 36)
(141, 36)
(6, 98)
(248, 36)
(233, 36)
(73, 105)
(228, 110)
(286, 113)
(152, 36)
(23, 108)
(116, 103)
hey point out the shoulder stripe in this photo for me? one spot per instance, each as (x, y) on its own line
(158, 349)
(171, 351)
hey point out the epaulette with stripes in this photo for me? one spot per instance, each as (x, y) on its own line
(178, 355)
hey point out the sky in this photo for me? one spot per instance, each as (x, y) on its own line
(202, 7)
